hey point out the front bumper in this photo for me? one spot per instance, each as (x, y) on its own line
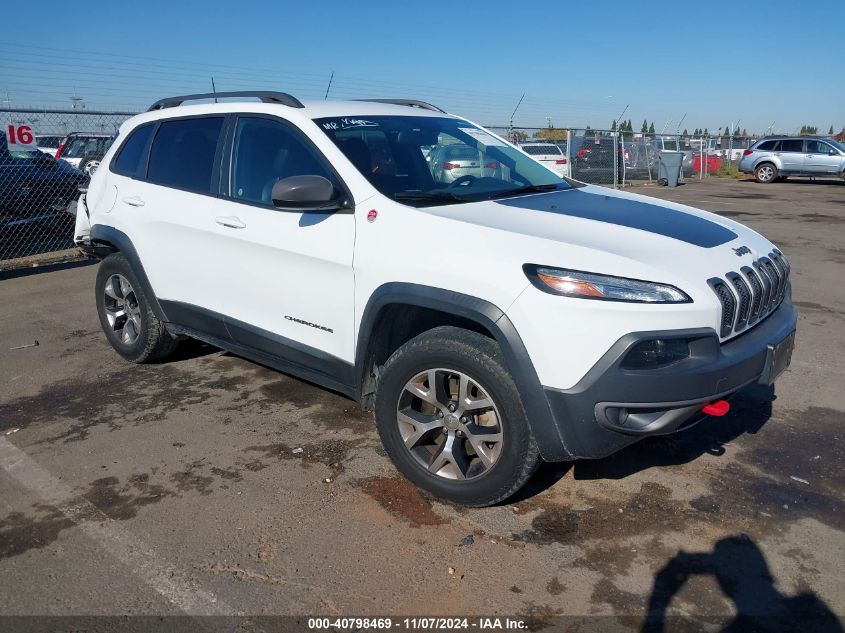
(612, 407)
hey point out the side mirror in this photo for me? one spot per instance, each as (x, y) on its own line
(305, 193)
(832, 152)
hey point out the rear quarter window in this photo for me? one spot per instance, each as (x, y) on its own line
(131, 156)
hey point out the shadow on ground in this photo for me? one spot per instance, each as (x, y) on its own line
(742, 573)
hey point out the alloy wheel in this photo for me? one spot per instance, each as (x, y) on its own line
(122, 310)
(450, 424)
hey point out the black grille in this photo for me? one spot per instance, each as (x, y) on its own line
(756, 293)
(776, 281)
(752, 295)
(744, 295)
(726, 298)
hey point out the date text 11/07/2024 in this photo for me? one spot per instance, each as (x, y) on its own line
(417, 624)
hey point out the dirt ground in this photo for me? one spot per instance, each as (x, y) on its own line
(180, 488)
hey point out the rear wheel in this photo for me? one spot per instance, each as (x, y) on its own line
(766, 173)
(129, 323)
(451, 418)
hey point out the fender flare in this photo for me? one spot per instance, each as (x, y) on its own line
(494, 320)
(118, 240)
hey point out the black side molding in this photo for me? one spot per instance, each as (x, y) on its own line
(492, 319)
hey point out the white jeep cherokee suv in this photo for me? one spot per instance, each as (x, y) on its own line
(489, 321)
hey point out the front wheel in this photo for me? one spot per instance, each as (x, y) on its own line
(451, 418)
(766, 173)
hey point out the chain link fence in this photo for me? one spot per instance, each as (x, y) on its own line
(621, 158)
(39, 183)
(39, 187)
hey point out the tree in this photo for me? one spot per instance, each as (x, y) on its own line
(613, 126)
(809, 129)
(644, 128)
(727, 131)
(685, 132)
(651, 128)
(520, 136)
(551, 134)
(630, 127)
(706, 133)
(830, 131)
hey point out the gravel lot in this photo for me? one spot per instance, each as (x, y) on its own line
(178, 488)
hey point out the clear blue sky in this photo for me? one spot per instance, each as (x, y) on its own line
(577, 62)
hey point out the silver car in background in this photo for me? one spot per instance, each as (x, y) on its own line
(775, 158)
(448, 163)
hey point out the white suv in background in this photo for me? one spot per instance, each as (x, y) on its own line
(490, 321)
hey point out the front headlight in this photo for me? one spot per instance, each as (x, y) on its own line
(575, 283)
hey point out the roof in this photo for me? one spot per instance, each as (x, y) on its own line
(787, 136)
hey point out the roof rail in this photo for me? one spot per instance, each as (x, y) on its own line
(266, 97)
(407, 102)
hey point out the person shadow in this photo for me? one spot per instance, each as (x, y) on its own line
(740, 569)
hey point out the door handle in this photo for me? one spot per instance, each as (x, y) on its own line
(231, 221)
(134, 201)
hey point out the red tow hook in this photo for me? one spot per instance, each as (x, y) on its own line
(717, 409)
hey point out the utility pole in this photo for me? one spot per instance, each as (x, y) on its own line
(329, 87)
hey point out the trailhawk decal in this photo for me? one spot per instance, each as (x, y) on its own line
(631, 213)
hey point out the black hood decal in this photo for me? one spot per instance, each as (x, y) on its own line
(631, 213)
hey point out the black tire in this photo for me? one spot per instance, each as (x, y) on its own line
(480, 358)
(766, 173)
(153, 341)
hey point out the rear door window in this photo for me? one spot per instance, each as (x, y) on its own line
(132, 156)
(182, 155)
(792, 145)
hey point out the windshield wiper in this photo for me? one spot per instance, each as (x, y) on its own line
(526, 189)
(434, 196)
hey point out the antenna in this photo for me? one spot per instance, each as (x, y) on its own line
(329, 87)
(678, 129)
(516, 108)
(621, 115)
(214, 90)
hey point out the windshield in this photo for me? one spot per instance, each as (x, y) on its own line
(423, 161)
